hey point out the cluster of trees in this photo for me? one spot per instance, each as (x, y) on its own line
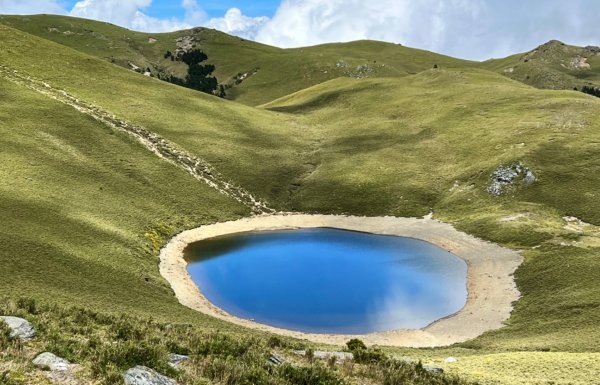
(591, 90)
(199, 77)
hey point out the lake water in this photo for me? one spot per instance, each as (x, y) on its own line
(329, 281)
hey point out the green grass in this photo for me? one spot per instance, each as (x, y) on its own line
(550, 66)
(85, 209)
(279, 71)
(107, 345)
(77, 201)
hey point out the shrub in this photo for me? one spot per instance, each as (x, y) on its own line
(355, 344)
(591, 91)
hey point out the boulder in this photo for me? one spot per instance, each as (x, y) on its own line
(339, 356)
(50, 361)
(176, 359)
(275, 359)
(505, 176)
(141, 375)
(19, 327)
(433, 369)
(450, 360)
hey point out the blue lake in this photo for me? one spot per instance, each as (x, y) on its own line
(329, 281)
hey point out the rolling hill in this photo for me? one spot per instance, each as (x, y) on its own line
(264, 73)
(102, 165)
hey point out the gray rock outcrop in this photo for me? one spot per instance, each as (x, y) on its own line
(505, 176)
(176, 359)
(433, 369)
(50, 361)
(141, 375)
(339, 356)
(19, 327)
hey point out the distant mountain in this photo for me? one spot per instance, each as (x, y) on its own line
(553, 65)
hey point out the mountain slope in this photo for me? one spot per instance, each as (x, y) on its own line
(83, 206)
(553, 65)
(86, 207)
(430, 143)
(264, 73)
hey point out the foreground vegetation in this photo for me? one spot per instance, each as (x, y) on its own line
(86, 208)
(106, 345)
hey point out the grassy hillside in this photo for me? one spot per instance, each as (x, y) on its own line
(430, 142)
(265, 73)
(83, 207)
(553, 65)
(86, 207)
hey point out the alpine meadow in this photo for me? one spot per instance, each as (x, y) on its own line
(118, 147)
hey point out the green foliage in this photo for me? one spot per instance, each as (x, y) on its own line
(106, 345)
(355, 344)
(82, 223)
(4, 335)
(312, 375)
(594, 91)
(198, 76)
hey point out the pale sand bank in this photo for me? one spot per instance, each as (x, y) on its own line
(491, 289)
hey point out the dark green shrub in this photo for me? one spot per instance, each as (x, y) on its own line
(355, 344)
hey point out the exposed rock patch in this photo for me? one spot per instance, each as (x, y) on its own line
(20, 328)
(50, 361)
(60, 371)
(433, 369)
(177, 359)
(141, 375)
(579, 63)
(185, 44)
(275, 360)
(321, 355)
(593, 49)
(505, 177)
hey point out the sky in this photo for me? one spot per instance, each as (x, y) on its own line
(468, 29)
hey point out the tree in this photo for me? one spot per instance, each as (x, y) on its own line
(198, 76)
(591, 91)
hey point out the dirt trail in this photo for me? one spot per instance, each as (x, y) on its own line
(197, 167)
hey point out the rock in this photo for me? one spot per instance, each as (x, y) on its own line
(505, 176)
(450, 360)
(50, 361)
(19, 328)
(529, 177)
(407, 360)
(593, 49)
(141, 375)
(176, 359)
(433, 369)
(579, 63)
(276, 360)
(340, 356)
(185, 44)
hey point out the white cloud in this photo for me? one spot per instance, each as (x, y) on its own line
(309, 22)
(472, 29)
(194, 15)
(475, 29)
(26, 7)
(235, 23)
(127, 13)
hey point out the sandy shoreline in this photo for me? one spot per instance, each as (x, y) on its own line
(491, 289)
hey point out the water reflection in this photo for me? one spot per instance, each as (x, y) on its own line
(329, 281)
